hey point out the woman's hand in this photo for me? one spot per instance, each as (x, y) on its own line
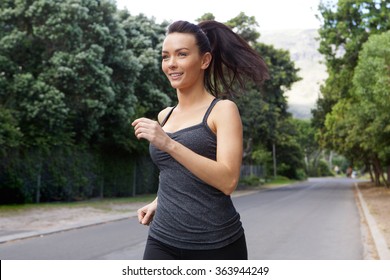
(151, 131)
(146, 213)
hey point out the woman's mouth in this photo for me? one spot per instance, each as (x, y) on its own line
(175, 76)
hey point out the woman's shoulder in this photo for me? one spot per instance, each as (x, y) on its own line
(225, 106)
(225, 112)
(163, 114)
(226, 102)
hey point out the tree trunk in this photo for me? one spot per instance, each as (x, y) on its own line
(377, 171)
(386, 180)
(388, 176)
(368, 167)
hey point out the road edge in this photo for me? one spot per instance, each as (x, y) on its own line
(379, 241)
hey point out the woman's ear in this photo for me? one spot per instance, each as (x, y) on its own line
(207, 57)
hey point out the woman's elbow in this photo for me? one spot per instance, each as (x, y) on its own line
(230, 186)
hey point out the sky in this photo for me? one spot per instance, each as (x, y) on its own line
(270, 14)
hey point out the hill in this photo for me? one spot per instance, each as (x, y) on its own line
(303, 47)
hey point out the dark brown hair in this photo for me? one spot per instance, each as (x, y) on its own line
(234, 60)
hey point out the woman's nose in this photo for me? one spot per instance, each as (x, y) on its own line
(172, 63)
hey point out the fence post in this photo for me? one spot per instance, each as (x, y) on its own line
(134, 178)
(274, 157)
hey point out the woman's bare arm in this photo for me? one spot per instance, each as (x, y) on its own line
(224, 172)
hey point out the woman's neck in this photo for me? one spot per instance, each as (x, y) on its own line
(192, 97)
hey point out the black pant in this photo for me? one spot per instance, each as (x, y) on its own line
(156, 250)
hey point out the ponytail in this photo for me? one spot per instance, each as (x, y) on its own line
(234, 60)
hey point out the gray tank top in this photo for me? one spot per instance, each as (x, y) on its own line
(190, 213)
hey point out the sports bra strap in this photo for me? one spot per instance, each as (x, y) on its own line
(206, 115)
(167, 116)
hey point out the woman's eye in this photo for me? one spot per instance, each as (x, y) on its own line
(164, 57)
(182, 54)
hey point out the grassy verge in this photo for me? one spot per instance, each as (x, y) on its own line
(94, 203)
(280, 181)
(254, 182)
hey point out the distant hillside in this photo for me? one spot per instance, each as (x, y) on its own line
(302, 46)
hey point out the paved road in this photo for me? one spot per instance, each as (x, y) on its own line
(317, 219)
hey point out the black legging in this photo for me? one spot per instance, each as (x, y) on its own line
(156, 250)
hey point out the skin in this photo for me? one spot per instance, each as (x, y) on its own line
(184, 67)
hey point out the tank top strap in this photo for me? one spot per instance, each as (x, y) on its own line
(167, 116)
(206, 115)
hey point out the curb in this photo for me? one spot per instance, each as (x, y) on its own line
(379, 241)
(41, 233)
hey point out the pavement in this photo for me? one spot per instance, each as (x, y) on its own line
(10, 236)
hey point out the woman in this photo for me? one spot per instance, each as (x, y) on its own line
(197, 145)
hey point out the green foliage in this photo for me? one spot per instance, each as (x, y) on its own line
(306, 137)
(73, 75)
(283, 75)
(262, 155)
(352, 116)
(251, 181)
(206, 16)
(279, 180)
(358, 126)
(10, 134)
(145, 38)
(320, 170)
(245, 26)
(371, 96)
(346, 26)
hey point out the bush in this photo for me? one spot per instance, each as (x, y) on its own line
(251, 180)
(321, 170)
(73, 174)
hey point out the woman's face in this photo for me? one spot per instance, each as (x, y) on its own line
(181, 60)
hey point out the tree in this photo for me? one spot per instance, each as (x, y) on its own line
(10, 135)
(69, 76)
(371, 98)
(346, 26)
(307, 141)
(206, 16)
(359, 126)
(150, 87)
(74, 53)
(245, 26)
(145, 38)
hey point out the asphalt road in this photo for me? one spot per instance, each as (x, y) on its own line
(314, 220)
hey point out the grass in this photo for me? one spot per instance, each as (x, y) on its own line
(94, 203)
(258, 183)
(280, 181)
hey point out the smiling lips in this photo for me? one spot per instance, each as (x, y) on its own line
(174, 76)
